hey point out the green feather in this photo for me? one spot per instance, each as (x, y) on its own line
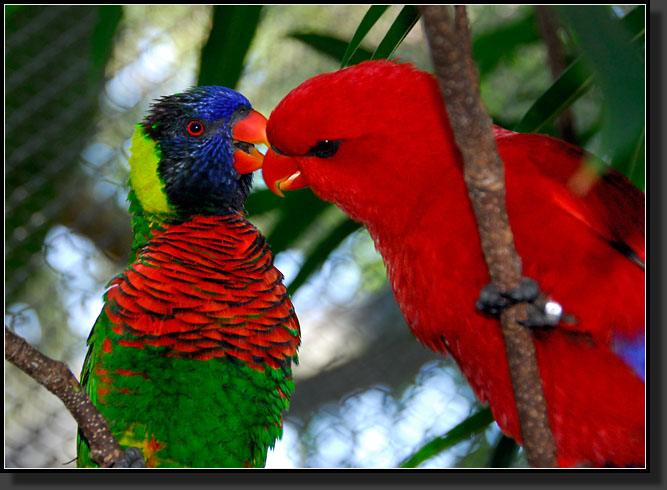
(221, 399)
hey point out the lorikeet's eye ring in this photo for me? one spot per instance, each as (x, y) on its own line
(195, 128)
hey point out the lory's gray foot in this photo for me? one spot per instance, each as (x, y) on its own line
(542, 312)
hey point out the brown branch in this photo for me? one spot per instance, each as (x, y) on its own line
(449, 40)
(58, 379)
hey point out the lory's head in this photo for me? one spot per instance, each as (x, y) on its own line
(364, 137)
(194, 153)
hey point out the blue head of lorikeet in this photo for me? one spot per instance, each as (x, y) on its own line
(203, 147)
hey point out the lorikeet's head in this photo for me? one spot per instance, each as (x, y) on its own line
(194, 153)
(360, 137)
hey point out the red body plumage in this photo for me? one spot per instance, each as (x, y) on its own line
(397, 170)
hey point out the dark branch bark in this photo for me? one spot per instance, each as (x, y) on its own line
(58, 379)
(450, 45)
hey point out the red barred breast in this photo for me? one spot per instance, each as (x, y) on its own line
(206, 288)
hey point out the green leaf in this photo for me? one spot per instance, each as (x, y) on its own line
(223, 56)
(477, 454)
(635, 168)
(571, 84)
(321, 251)
(403, 24)
(298, 210)
(369, 20)
(262, 201)
(331, 46)
(503, 453)
(11, 9)
(102, 41)
(490, 48)
(476, 423)
(618, 66)
(635, 22)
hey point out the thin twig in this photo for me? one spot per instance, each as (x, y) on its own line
(58, 379)
(450, 45)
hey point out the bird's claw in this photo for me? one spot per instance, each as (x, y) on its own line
(493, 301)
(131, 458)
(541, 311)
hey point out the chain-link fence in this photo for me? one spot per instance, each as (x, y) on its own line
(367, 394)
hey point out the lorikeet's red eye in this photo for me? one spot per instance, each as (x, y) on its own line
(195, 128)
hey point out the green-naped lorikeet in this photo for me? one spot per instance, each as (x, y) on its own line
(375, 140)
(190, 359)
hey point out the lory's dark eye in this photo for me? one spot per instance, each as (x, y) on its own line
(195, 128)
(325, 148)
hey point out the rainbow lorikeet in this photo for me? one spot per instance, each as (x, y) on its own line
(190, 359)
(375, 140)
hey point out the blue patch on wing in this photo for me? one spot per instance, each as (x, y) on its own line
(632, 351)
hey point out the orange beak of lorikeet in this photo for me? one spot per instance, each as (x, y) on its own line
(247, 132)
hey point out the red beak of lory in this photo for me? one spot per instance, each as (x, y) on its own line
(247, 132)
(281, 173)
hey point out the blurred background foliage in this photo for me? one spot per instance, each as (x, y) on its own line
(367, 394)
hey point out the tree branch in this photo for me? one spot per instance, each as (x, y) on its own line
(449, 40)
(58, 379)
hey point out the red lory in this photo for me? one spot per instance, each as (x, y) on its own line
(375, 140)
(190, 360)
